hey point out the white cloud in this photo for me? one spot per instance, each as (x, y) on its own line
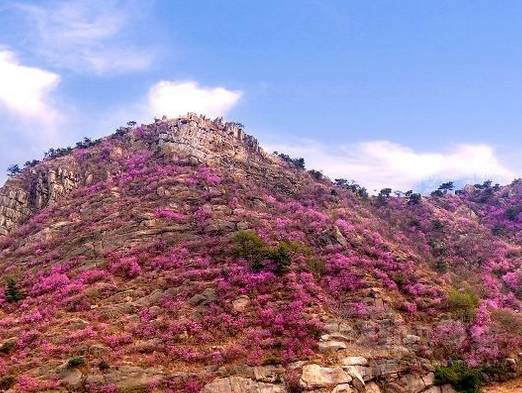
(379, 164)
(86, 34)
(173, 99)
(25, 90)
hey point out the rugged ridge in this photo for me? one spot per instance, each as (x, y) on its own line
(192, 136)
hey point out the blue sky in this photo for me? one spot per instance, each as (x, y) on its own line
(399, 93)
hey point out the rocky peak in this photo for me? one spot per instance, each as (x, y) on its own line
(193, 136)
(205, 139)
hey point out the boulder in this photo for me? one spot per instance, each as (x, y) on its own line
(343, 388)
(354, 361)
(269, 374)
(241, 303)
(203, 298)
(413, 383)
(385, 367)
(366, 373)
(76, 324)
(411, 339)
(8, 345)
(218, 385)
(239, 384)
(315, 376)
(357, 378)
(336, 336)
(130, 378)
(331, 346)
(71, 377)
(339, 236)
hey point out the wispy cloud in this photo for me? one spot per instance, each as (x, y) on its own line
(86, 35)
(172, 98)
(379, 164)
(25, 91)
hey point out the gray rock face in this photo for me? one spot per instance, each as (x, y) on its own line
(49, 186)
(18, 201)
(331, 346)
(315, 376)
(354, 361)
(128, 378)
(241, 385)
(202, 139)
(14, 207)
(413, 383)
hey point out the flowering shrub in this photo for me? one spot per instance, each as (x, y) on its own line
(171, 215)
(50, 283)
(208, 176)
(127, 267)
(27, 383)
(449, 338)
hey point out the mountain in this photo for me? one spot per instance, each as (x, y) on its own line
(179, 256)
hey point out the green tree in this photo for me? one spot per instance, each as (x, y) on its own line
(12, 292)
(13, 170)
(463, 304)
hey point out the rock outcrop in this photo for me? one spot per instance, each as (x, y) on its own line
(37, 189)
(194, 137)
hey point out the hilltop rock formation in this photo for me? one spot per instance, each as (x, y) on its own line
(191, 137)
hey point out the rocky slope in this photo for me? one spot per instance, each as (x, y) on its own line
(179, 256)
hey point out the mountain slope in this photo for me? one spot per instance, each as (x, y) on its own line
(179, 256)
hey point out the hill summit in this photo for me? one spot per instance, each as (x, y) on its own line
(180, 257)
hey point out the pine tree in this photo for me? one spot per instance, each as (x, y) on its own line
(12, 293)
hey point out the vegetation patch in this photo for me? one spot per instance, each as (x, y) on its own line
(462, 377)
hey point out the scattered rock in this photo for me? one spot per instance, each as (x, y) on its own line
(335, 336)
(131, 378)
(8, 345)
(241, 303)
(268, 373)
(413, 383)
(75, 324)
(315, 376)
(331, 346)
(343, 388)
(339, 237)
(354, 361)
(357, 378)
(203, 298)
(385, 367)
(99, 350)
(411, 339)
(71, 377)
